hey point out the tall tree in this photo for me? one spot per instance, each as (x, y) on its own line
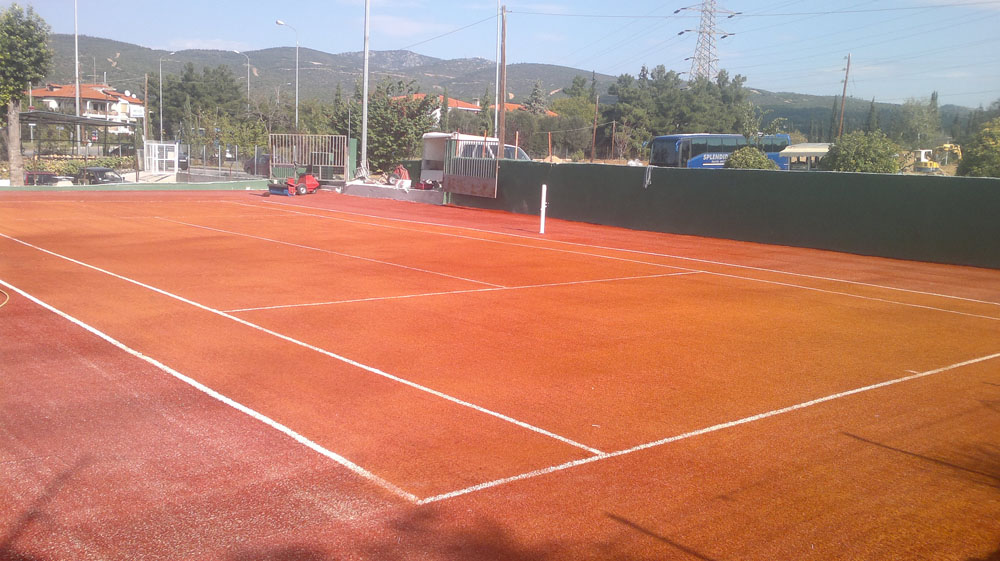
(445, 109)
(24, 57)
(871, 123)
(981, 155)
(397, 120)
(578, 88)
(536, 101)
(485, 114)
(832, 131)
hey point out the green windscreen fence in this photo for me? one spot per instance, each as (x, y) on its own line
(924, 218)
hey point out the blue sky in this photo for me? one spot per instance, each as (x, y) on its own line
(900, 49)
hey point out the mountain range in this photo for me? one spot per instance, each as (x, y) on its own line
(125, 65)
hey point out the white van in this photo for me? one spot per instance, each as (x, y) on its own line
(469, 146)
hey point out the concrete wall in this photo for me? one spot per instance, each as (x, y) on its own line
(925, 218)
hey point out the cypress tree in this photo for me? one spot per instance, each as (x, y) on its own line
(833, 121)
(443, 124)
(871, 125)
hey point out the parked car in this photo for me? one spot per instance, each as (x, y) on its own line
(182, 161)
(41, 178)
(485, 150)
(97, 176)
(260, 165)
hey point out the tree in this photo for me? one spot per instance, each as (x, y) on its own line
(749, 157)
(24, 57)
(536, 101)
(981, 157)
(833, 121)
(443, 121)
(485, 122)
(396, 122)
(578, 89)
(862, 152)
(751, 118)
(918, 124)
(871, 123)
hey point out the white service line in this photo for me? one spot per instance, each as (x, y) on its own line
(331, 252)
(355, 468)
(624, 250)
(699, 432)
(445, 293)
(653, 264)
(325, 352)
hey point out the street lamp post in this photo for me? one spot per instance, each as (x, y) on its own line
(248, 79)
(279, 22)
(162, 58)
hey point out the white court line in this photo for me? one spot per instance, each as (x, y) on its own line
(653, 264)
(445, 293)
(355, 468)
(325, 352)
(331, 252)
(636, 251)
(699, 432)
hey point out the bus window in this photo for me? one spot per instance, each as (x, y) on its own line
(715, 144)
(729, 144)
(698, 146)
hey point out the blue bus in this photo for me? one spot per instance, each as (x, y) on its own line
(706, 150)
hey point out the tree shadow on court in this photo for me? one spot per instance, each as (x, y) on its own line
(436, 536)
(36, 512)
(981, 463)
(994, 556)
(664, 539)
(283, 553)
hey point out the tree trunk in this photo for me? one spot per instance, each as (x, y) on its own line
(14, 142)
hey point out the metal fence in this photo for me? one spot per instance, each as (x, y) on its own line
(470, 167)
(324, 154)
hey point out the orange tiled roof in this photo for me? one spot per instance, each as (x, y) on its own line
(458, 103)
(96, 92)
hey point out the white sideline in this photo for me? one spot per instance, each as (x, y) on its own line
(325, 352)
(699, 432)
(355, 468)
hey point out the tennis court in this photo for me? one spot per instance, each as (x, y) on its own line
(229, 376)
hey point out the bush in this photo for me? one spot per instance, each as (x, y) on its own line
(862, 151)
(749, 157)
(981, 157)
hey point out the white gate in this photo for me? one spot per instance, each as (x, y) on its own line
(161, 157)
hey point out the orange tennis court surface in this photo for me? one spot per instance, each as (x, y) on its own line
(229, 376)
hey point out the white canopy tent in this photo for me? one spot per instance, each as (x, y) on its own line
(806, 155)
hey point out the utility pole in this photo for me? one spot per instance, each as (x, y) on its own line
(502, 101)
(843, 97)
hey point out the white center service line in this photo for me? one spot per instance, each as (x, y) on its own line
(447, 292)
(654, 264)
(699, 432)
(592, 246)
(325, 352)
(331, 252)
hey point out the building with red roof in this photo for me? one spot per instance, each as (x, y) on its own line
(459, 105)
(99, 101)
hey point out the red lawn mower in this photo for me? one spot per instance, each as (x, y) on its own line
(305, 184)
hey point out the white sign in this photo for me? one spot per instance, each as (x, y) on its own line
(136, 111)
